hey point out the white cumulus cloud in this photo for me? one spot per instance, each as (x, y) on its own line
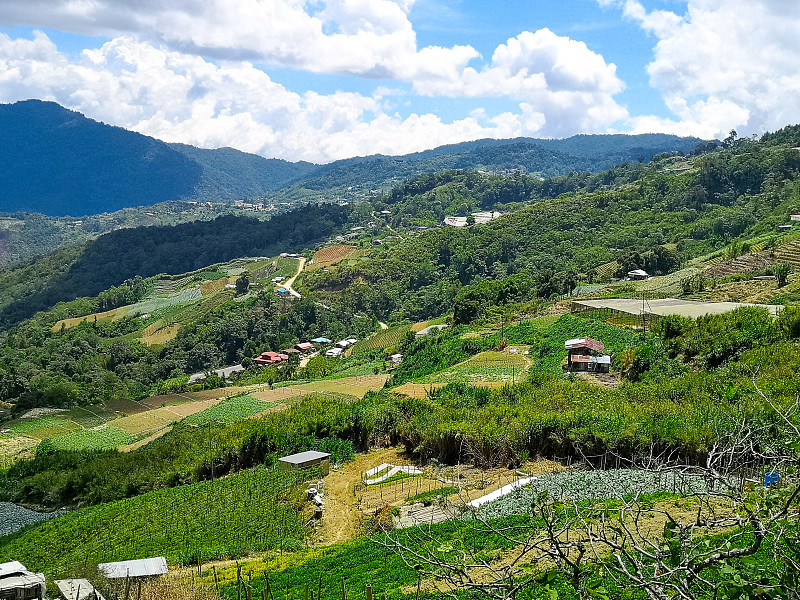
(182, 98)
(723, 64)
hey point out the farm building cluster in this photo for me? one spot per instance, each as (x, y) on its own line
(304, 349)
(17, 583)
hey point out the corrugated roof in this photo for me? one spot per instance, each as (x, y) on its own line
(304, 457)
(144, 567)
(11, 568)
(77, 589)
(584, 342)
(25, 581)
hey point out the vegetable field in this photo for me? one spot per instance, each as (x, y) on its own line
(230, 410)
(42, 428)
(252, 510)
(382, 339)
(486, 366)
(580, 486)
(332, 254)
(98, 438)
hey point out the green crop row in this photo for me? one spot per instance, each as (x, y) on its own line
(229, 410)
(252, 510)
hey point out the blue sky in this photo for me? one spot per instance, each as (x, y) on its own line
(330, 79)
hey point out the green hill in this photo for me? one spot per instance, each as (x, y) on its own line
(57, 162)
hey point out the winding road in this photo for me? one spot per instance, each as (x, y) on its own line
(288, 285)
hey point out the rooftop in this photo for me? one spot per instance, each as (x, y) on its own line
(304, 457)
(144, 567)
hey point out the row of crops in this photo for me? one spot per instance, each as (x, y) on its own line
(252, 510)
(383, 339)
(13, 517)
(230, 410)
(580, 486)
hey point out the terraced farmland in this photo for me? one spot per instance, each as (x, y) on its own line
(98, 438)
(349, 386)
(490, 366)
(332, 254)
(382, 339)
(230, 410)
(42, 428)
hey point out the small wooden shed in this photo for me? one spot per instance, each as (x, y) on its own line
(306, 460)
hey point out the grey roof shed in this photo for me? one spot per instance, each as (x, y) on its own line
(306, 460)
(144, 567)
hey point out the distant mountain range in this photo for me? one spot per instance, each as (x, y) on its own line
(57, 162)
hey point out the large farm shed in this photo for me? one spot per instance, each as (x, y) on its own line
(17, 583)
(306, 460)
(637, 311)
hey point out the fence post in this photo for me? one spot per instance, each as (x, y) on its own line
(344, 590)
(369, 591)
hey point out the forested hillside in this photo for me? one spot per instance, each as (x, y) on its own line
(653, 215)
(57, 162)
(88, 269)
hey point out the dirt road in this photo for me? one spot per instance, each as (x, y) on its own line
(301, 263)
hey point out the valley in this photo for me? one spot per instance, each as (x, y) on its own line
(580, 398)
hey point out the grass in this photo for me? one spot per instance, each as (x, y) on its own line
(225, 517)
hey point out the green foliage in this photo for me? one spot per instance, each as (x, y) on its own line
(253, 510)
(101, 438)
(230, 410)
(63, 474)
(123, 254)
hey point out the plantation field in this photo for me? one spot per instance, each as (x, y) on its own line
(144, 307)
(42, 428)
(228, 516)
(349, 386)
(425, 324)
(421, 390)
(279, 395)
(159, 335)
(382, 339)
(14, 448)
(209, 287)
(488, 366)
(160, 417)
(230, 410)
(332, 254)
(109, 315)
(103, 437)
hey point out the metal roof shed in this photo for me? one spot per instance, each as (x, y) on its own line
(144, 567)
(78, 589)
(17, 583)
(306, 460)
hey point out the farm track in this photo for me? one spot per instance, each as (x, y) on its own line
(301, 263)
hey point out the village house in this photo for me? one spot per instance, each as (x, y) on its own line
(585, 355)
